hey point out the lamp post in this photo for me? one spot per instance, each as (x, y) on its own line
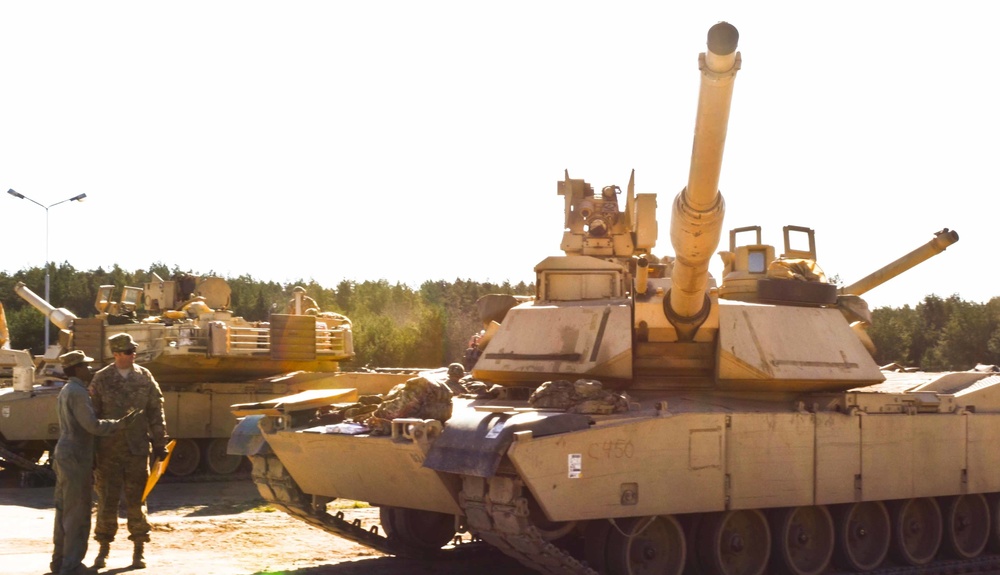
(76, 198)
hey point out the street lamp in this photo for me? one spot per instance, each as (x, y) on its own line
(77, 198)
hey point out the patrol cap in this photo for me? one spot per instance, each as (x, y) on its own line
(122, 342)
(72, 358)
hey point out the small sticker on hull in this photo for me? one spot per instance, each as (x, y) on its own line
(575, 465)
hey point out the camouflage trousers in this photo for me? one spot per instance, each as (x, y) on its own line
(119, 472)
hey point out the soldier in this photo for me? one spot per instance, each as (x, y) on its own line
(301, 304)
(196, 306)
(456, 372)
(73, 461)
(123, 460)
(473, 352)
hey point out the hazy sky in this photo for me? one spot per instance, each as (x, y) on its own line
(423, 140)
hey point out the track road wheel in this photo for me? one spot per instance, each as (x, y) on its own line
(595, 538)
(185, 458)
(803, 540)
(916, 530)
(646, 546)
(993, 500)
(863, 534)
(966, 525)
(416, 531)
(548, 530)
(692, 526)
(734, 543)
(217, 460)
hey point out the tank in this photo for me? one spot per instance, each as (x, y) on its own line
(204, 357)
(195, 337)
(17, 374)
(640, 418)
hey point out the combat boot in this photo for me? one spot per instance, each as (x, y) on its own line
(137, 561)
(102, 556)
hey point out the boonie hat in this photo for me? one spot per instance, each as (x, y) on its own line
(72, 358)
(122, 342)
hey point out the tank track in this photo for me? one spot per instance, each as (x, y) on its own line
(7, 456)
(981, 564)
(278, 488)
(498, 513)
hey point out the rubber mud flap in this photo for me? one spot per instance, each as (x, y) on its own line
(247, 438)
(474, 442)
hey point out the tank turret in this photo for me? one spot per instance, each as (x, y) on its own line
(581, 322)
(610, 309)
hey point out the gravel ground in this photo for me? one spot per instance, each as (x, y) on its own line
(220, 528)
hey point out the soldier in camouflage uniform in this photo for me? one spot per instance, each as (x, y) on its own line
(123, 460)
(73, 461)
(416, 397)
(456, 372)
(301, 305)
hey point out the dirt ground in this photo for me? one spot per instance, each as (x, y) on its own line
(220, 528)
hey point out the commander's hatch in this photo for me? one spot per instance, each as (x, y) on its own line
(130, 299)
(105, 305)
(103, 300)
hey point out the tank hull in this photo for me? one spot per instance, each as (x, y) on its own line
(695, 462)
(687, 456)
(391, 465)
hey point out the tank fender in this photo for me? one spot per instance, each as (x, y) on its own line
(474, 442)
(247, 438)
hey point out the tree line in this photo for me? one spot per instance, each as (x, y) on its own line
(396, 325)
(938, 334)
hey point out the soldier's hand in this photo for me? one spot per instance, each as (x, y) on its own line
(160, 453)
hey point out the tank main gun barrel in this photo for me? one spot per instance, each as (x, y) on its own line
(60, 317)
(941, 241)
(696, 221)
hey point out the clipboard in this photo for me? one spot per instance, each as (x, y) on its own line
(158, 470)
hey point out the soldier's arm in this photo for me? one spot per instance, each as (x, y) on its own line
(83, 412)
(155, 416)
